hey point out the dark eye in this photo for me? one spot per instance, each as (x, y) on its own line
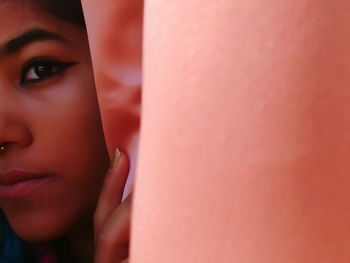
(41, 69)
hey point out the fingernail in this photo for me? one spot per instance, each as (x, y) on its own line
(115, 159)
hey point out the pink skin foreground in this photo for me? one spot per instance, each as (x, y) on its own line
(251, 99)
(53, 170)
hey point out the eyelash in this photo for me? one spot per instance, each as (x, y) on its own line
(56, 67)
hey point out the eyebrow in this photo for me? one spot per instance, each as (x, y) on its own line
(28, 37)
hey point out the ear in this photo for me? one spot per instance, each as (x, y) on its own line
(115, 36)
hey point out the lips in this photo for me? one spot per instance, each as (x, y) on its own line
(17, 183)
(15, 176)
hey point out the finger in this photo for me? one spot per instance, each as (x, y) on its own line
(113, 241)
(112, 191)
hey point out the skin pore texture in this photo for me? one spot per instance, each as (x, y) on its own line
(50, 122)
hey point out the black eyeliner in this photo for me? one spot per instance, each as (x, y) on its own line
(62, 66)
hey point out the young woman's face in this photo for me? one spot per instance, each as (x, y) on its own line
(55, 158)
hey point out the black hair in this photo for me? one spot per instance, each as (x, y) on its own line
(69, 10)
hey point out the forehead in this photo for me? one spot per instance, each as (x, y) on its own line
(18, 16)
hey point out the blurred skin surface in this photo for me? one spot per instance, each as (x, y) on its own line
(253, 165)
(52, 126)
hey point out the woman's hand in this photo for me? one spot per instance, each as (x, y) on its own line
(112, 217)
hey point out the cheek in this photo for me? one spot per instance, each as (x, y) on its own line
(68, 130)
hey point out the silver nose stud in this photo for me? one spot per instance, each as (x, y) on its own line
(3, 148)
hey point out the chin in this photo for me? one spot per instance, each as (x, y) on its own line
(38, 232)
(36, 228)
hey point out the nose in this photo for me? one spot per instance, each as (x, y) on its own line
(14, 132)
